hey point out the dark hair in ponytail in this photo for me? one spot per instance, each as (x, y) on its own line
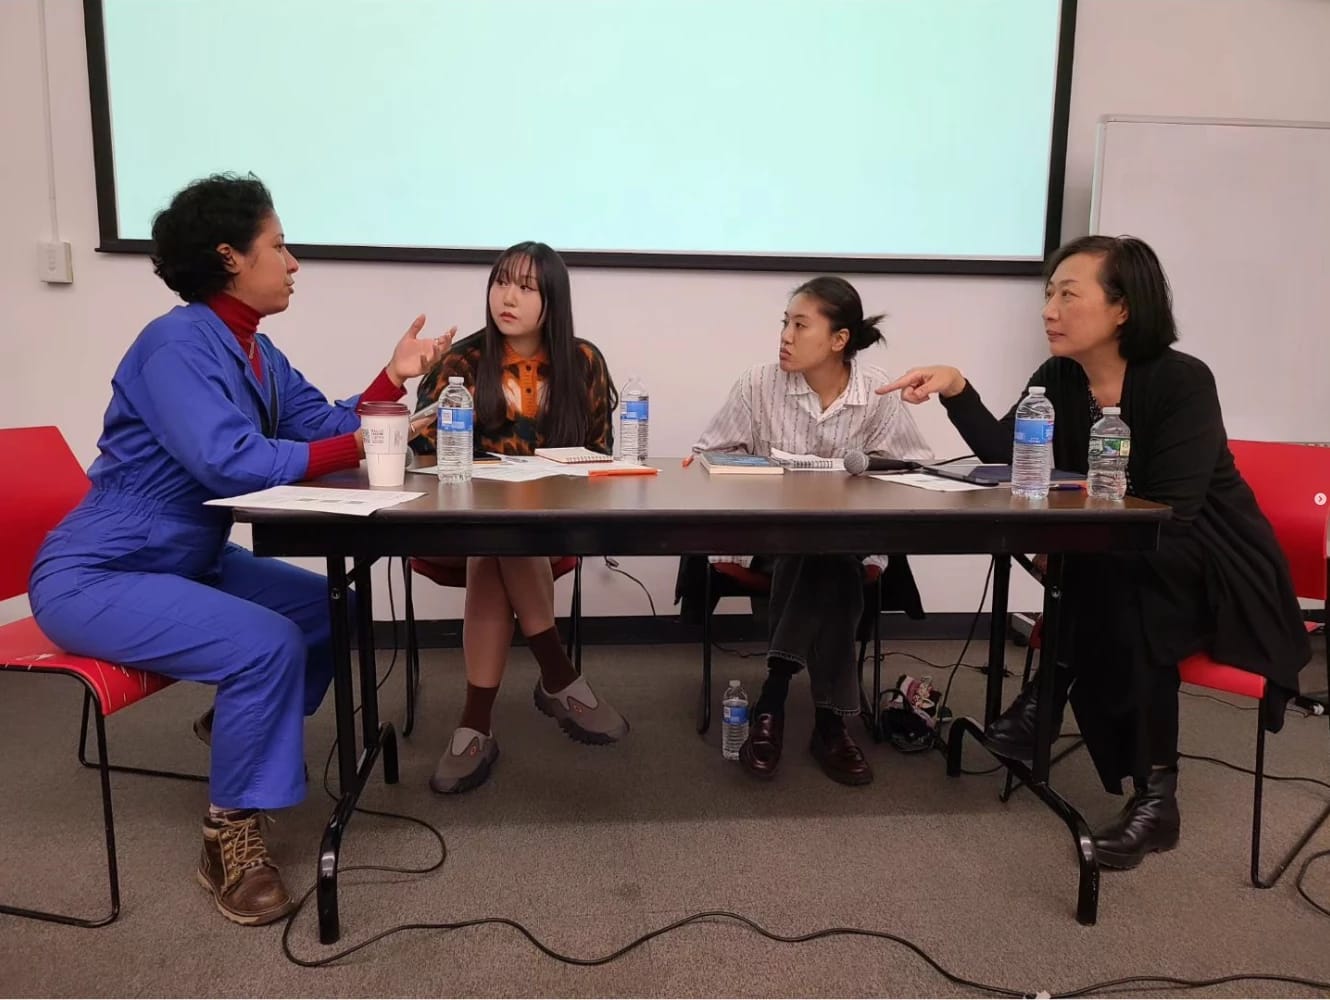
(839, 302)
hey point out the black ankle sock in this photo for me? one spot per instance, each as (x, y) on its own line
(776, 688)
(828, 723)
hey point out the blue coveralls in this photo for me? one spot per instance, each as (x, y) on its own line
(141, 573)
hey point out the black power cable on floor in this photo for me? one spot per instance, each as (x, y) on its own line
(710, 916)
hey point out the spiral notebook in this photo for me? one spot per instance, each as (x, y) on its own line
(807, 463)
(572, 456)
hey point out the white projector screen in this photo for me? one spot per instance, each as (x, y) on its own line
(899, 134)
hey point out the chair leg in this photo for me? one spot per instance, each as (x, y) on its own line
(704, 708)
(865, 706)
(88, 710)
(108, 822)
(412, 649)
(575, 625)
(877, 659)
(1257, 879)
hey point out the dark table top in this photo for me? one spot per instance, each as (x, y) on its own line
(691, 510)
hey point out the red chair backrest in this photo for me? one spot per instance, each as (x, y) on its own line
(46, 482)
(1292, 483)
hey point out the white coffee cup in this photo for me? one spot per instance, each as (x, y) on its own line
(385, 427)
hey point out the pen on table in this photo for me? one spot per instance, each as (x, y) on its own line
(1066, 486)
(602, 473)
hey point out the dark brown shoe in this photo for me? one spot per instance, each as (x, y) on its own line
(236, 869)
(760, 753)
(841, 758)
(203, 727)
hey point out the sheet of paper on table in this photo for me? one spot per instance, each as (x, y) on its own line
(923, 481)
(318, 499)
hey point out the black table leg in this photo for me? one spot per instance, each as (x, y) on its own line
(344, 696)
(997, 638)
(352, 773)
(369, 674)
(1036, 776)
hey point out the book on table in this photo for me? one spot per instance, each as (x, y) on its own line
(738, 463)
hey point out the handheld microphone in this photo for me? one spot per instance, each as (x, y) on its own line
(857, 463)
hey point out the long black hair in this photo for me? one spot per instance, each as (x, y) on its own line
(563, 420)
(839, 302)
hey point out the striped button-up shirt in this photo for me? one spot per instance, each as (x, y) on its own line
(771, 409)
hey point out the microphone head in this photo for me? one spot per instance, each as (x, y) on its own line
(856, 463)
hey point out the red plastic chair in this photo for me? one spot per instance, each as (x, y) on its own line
(727, 579)
(455, 576)
(1291, 483)
(54, 484)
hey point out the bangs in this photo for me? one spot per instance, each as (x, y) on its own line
(517, 267)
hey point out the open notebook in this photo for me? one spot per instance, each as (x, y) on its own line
(572, 456)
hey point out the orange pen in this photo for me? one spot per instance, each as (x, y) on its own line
(601, 473)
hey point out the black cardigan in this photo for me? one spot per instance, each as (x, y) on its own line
(1179, 457)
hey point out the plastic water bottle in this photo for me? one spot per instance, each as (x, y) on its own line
(734, 720)
(1032, 452)
(456, 419)
(1110, 447)
(634, 410)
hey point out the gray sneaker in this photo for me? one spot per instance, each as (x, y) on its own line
(582, 715)
(467, 762)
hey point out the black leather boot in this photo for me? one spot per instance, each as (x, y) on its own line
(1149, 822)
(1012, 732)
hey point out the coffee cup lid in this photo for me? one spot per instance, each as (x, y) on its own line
(382, 408)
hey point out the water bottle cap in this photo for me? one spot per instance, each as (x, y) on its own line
(455, 380)
(734, 684)
(1112, 411)
(1036, 390)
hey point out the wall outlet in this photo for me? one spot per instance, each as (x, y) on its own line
(55, 263)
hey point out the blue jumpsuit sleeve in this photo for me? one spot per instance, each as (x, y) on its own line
(182, 398)
(306, 414)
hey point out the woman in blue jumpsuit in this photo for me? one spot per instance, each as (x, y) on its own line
(141, 573)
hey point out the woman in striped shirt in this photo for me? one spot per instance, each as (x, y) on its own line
(817, 400)
(535, 385)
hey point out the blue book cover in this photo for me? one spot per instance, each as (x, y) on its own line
(740, 463)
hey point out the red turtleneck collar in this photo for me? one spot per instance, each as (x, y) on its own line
(241, 320)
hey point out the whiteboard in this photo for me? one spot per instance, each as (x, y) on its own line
(1239, 213)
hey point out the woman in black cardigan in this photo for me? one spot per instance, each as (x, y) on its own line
(1218, 581)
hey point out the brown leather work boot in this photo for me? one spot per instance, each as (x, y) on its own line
(236, 869)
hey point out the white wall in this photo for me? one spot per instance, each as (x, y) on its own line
(1233, 58)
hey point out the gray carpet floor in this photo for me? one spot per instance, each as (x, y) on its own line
(590, 847)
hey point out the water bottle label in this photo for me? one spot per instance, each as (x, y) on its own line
(1110, 447)
(635, 409)
(455, 419)
(735, 715)
(1031, 431)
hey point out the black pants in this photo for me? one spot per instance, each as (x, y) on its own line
(1124, 663)
(816, 604)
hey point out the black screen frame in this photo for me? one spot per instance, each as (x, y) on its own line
(110, 240)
